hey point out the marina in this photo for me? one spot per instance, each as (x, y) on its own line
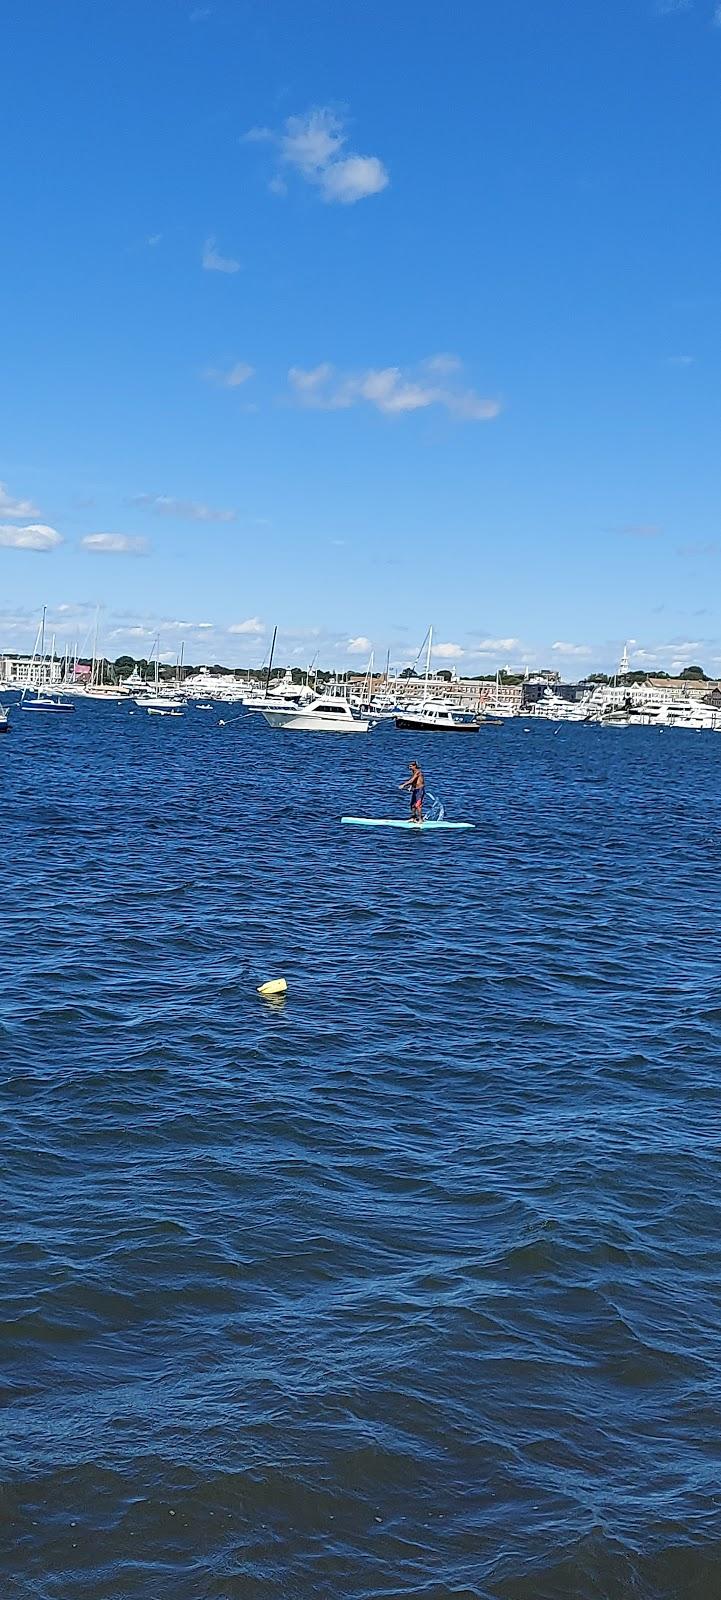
(311, 701)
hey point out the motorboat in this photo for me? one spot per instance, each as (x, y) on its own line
(693, 714)
(556, 709)
(435, 716)
(162, 705)
(324, 714)
(45, 702)
(4, 720)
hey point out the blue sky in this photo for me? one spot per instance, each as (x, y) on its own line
(355, 317)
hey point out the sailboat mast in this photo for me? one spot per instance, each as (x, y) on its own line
(94, 667)
(270, 660)
(28, 681)
(428, 660)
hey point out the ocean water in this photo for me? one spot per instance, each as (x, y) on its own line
(410, 1285)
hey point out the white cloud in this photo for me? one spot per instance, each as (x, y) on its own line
(182, 626)
(34, 536)
(309, 381)
(671, 8)
(680, 361)
(15, 508)
(492, 646)
(716, 18)
(360, 646)
(675, 648)
(233, 378)
(213, 261)
(314, 146)
(673, 656)
(353, 179)
(699, 547)
(444, 365)
(153, 239)
(251, 625)
(390, 390)
(117, 544)
(164, 505)
(448, 652)
(564, 649)
(641, 530)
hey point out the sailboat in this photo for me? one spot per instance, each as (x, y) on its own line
(496, 713)
(38, 701)
(434, 716)
(157, 704)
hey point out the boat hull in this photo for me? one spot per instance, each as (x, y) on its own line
(420, 725)
(297, 722)
(49, 709)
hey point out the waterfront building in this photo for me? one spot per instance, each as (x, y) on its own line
(29, 672)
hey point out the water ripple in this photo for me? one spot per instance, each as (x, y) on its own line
(408, 1286)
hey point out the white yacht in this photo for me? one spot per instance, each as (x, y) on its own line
(434, 716)
(556, 709)
(4, 720)
(693, 714)
(324, 714)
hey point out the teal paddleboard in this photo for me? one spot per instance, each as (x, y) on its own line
(396, 822)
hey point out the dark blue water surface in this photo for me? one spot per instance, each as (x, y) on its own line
(410, 1286)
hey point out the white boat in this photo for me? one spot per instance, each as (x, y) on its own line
(693, 714)
(4, 720)
(497, 709)
(434, 716)
(384, 706)
(162, 705)
(324, 714)
(556, 709)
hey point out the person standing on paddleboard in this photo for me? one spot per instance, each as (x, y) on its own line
(417, 785)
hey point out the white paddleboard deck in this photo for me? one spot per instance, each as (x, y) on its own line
(396, 822)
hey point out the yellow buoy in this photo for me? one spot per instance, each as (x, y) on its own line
(275, 986)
